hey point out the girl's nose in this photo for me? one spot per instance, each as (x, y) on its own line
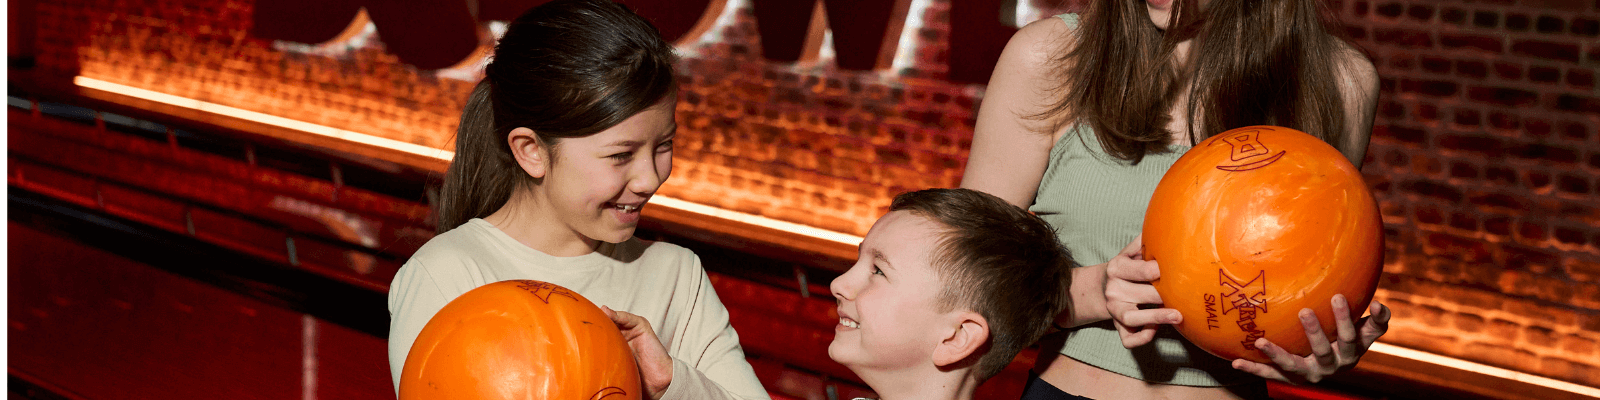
(647, 177)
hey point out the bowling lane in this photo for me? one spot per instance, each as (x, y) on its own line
(108, 327)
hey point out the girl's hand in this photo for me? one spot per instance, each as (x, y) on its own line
(1325, 359)
(1128, 278)
(655, 366)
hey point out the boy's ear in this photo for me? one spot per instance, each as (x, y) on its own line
(530, 152)
(963, 341)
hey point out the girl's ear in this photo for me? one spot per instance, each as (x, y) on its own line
(963, 342)
(531, 153)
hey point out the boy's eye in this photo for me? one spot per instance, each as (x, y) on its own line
(877, 271)
(664, 146)
(623, 156)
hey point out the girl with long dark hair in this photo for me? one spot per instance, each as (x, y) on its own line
(563, 141)
(1134, 84)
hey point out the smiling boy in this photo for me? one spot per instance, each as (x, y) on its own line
(950, 285)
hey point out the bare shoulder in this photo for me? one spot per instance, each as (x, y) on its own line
(1009, 155)
(1358, 85)
(1358, 78)
(1029, 71)
(1048, 29)
(1038, 44)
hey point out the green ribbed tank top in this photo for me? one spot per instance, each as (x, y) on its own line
(1097, 205)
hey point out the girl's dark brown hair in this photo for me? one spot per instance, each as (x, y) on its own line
(1253, 62)
(565, 69)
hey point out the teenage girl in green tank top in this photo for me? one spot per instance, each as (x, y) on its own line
(1081, 119)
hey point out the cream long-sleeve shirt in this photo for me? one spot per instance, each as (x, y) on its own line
(662, 282)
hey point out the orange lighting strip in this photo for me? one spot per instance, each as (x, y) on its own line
(804, 230)
(440, 154)
(1502, 373)
(268, 119)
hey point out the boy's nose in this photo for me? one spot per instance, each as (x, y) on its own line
(842, 286)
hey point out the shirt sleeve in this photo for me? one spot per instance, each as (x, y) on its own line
(707, 360)
(414, 297)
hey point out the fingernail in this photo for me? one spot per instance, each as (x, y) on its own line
(1307, 317)
(1174, 318)
(1338, 301)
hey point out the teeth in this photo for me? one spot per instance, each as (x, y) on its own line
(849, 323)
(627, 207)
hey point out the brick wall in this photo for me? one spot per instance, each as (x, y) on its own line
(815, 145)
(1484, 157)
(804, 143)
(1484, 161)
(200, 49)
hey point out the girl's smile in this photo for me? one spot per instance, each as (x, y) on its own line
(627, 214)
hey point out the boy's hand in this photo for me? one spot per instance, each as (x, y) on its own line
(655, 366)
(1325, 359)
(1128, 278)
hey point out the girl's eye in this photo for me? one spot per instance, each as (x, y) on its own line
(623, 156)
(664, 146)
(877, 271)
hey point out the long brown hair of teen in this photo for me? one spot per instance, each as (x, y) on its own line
(1252, 62)
(565, 69)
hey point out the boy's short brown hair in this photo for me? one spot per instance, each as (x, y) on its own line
(998, 260)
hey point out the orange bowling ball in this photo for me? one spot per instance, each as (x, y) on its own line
(520, 339)
(1251, 226)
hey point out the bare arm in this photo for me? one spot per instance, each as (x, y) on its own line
(1088, 297)
(1009, 152)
